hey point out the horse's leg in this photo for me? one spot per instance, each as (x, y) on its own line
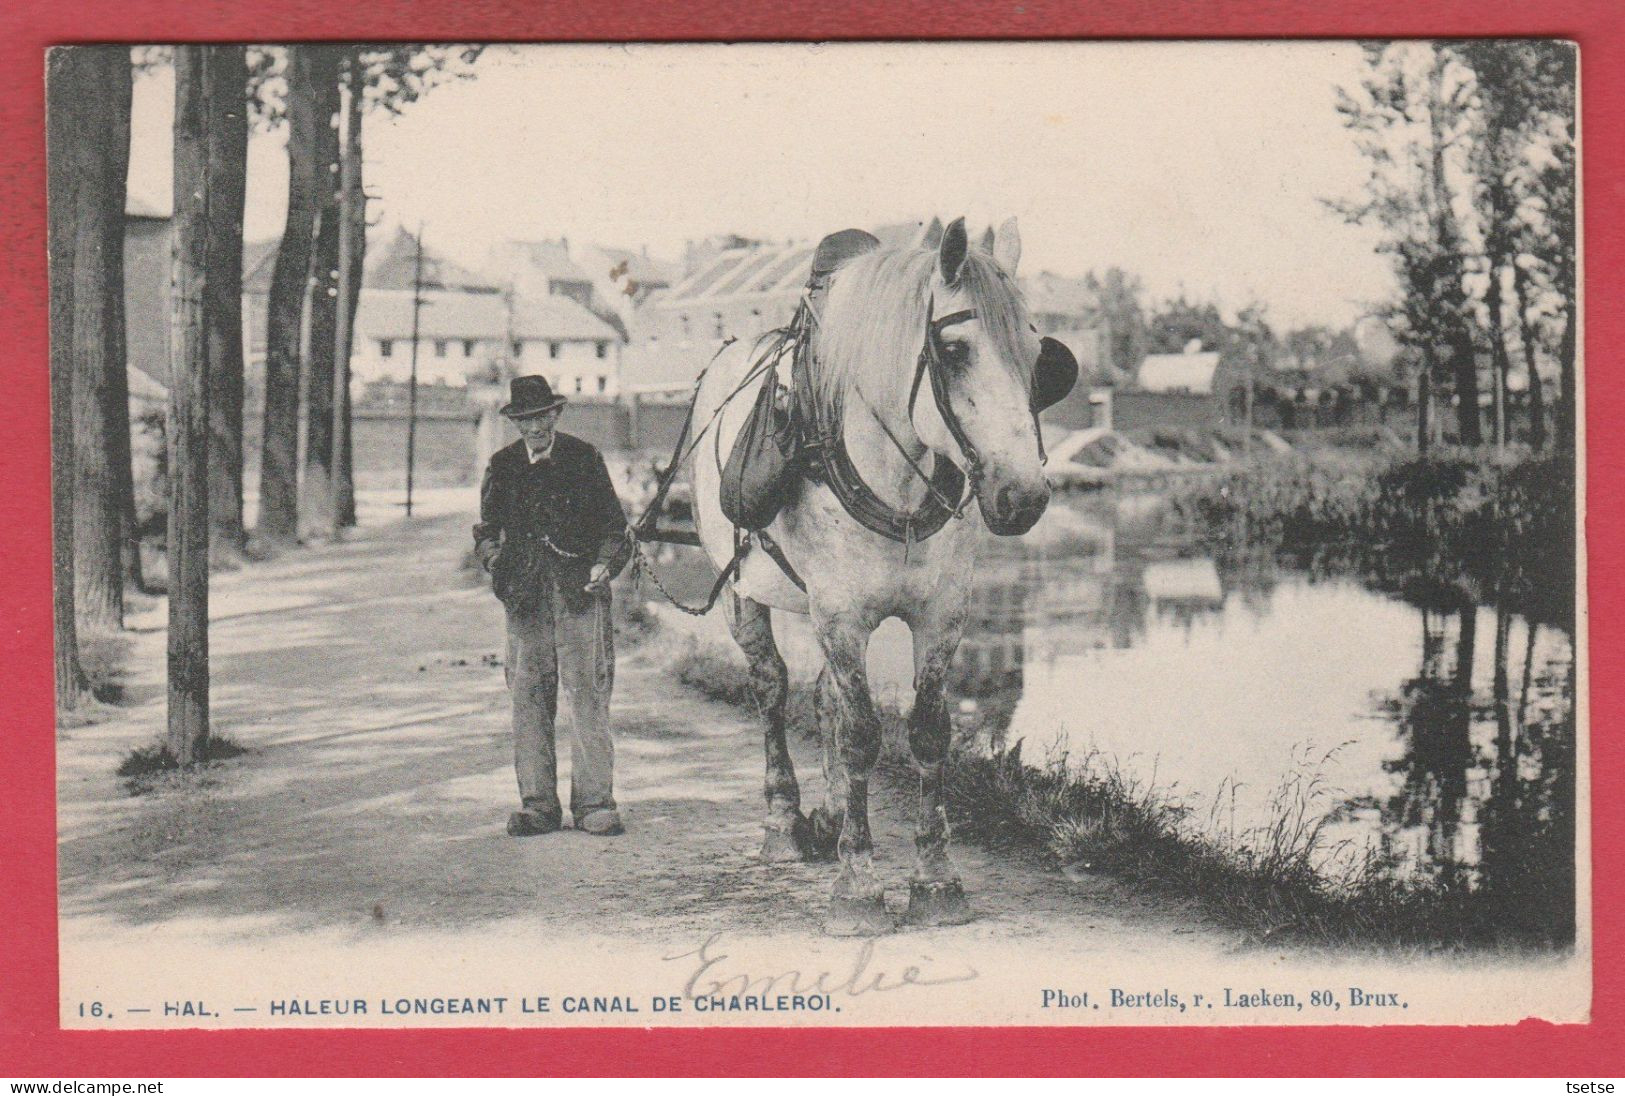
(824, 821)
(784, 830)
(857, 905)
(935, 894)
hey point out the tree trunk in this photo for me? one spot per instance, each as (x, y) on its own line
(189, 411)
(316, 489)
(352, 258)
(1451, 295)
(285, 308)
(1568, 418)
(226, 93)
(1526, 335)
(66, 95)
(101, 401)
(1498, 351)
(1424, 402)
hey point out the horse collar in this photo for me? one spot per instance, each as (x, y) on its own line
(947, 480)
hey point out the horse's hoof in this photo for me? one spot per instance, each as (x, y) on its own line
(937, 903)
(858, 917)
(820, 836)
(781, 846)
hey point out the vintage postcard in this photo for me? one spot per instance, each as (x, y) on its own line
(1068, 534)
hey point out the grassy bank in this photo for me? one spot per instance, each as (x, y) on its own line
(1085, 815)
(1453, 528)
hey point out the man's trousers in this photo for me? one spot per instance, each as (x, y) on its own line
(550, 644)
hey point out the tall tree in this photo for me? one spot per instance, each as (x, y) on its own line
(226, 107)
(69, 91)
(283, 89)
(1522, 308)
(352, 263)
(1121, 299)
(188, 424)
(316, 517)
(101, 400)
(1443, 111)
(279, 461)
(1406, 120)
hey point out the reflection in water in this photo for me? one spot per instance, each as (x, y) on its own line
(1486, 800)
(1444, 739)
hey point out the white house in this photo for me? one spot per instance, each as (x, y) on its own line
(463, 335)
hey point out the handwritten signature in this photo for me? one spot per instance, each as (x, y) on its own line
(711, 977)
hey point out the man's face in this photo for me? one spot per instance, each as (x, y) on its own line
(537, 430)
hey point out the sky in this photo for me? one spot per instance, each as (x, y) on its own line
(1200, 167)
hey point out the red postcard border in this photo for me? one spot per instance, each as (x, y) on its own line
(32, 1044)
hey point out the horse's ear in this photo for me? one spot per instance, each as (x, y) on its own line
(986, 243)
(951, 253)
(1007, 249)
(933, 235)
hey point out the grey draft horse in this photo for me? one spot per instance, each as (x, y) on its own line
(864, 376)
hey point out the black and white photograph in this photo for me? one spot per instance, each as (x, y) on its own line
(857, 534)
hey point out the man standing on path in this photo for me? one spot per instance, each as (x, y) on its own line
(551, 535)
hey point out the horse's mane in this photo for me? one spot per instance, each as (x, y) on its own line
(872, 325)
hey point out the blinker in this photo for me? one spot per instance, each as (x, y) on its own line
(1054, 374)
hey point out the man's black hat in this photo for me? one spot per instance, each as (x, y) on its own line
(530, 396)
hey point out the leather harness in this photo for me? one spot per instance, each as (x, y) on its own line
(831, 462)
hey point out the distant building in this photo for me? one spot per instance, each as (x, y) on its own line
(466, 335)
(622, 280)
(1194, 389)
(147, 245)
(541, 268)
(1192, 373)
(740, 292)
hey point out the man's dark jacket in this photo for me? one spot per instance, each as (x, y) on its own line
(553, 519)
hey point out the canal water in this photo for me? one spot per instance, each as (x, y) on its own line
(1427, 744)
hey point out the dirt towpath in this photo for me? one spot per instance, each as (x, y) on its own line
(367, 817)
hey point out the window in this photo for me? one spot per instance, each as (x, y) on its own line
(603, 350)
(440, 348)
(518, 348)
(603, 383)
(468, 348)
(386, 348)
(552, 349)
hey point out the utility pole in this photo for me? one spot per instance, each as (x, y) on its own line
(412, 383)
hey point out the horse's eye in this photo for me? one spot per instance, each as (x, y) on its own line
(955, 353)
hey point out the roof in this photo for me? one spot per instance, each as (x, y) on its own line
(1179, 372)
(394, 267)
(259, 260)
(1054, 295)
(907, 233)
(639, 267)
(548, 258)
(743, 271)
(139, 205)
(449, 314)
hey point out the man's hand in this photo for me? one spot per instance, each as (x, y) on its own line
(597, 578)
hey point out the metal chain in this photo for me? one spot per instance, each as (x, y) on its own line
(641, 565)
(556, 550)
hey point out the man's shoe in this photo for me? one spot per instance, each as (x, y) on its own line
(601, 823)
(531, 824)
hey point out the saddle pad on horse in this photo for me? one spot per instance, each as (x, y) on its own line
(761, 474)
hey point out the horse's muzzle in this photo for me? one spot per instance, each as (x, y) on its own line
(1014, 509)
